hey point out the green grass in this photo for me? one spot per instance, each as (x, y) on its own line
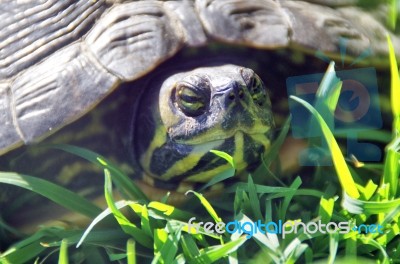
(137, 230)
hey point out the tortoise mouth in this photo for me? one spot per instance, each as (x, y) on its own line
(220, 136)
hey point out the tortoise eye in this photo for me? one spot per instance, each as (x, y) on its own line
(257, 91)
(190, 100)
(256, 87)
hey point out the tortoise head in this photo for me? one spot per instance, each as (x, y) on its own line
(179, 121)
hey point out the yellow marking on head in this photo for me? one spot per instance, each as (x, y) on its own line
(238, 155)
(263, 139)
(190, 161)
(159, 139)
(206, 176)
(183, 165)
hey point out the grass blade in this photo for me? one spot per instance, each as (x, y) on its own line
(225, 156)
(56, 193)
(207, 206)
(326, 209)
(100, 217)
(342, 170)
(121, 180)
(356, 206)
(63, 256)
(229, 173)
(131, 251)
(392, 17)
(190, 249)
(214, 253)
(254, 199)
(166, 245)
(288, 198)
(128, 227)
(392, 168)
(327, 97)
(24, 251)
(333, 247)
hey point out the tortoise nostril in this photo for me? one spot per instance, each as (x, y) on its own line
(241, 93)
(236, 93)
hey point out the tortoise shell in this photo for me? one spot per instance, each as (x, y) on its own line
(58, 59)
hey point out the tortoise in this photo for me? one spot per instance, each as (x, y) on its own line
(59, 59)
